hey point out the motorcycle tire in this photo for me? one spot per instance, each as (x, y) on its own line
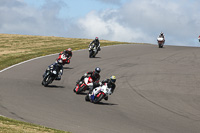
(87, 98)
(46, 81)
(98, 99)
(90, 54)
(80, 90)
(160, 45)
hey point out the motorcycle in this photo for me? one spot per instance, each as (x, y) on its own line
(64, 59)
(81, 85)
(101, 93)
(161, 42)
(49, 77)
(93, 51)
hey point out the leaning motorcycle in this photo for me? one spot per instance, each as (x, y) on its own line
(81, 85)
(102, 92)
(93, 51)
(49, 77)
(64, 59)
(161, 42)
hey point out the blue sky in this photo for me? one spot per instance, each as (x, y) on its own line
(116, 20)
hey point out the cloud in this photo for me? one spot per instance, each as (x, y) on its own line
(115, 2)
(142, 21)
(106, 26)
(19, 18)
(132, 21)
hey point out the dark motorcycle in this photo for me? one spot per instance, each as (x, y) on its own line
(93, 51)
(49, 77)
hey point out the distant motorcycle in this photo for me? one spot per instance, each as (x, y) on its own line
(161, 42)
(101, 93)
(64, 59)
(49, 77)
(93, 51)
(81, 85)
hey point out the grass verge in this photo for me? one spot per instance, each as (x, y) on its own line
(18, 48)
(13, 126)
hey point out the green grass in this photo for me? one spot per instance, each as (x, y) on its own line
(18, 48)
(13, 126)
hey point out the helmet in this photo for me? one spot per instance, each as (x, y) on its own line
(69, 49)
(60, 62)
(96, 38)
(97, 70)
(161, 33)
(113, 79)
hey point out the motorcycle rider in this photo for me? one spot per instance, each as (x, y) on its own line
(162, 35)
(199, 38)
(96, 44)
(110, 84)
(66, 55)
(56, 66)
(95, 77)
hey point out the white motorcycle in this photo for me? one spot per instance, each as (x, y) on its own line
(161, 42)
(93, 51)
(98, 94)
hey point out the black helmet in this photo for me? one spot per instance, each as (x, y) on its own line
(60, 62)
(97, 70)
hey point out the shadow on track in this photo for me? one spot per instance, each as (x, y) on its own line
(67, 68)
(54, 86)
(101, 103)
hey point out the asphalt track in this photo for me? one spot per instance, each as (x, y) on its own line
(158, 91)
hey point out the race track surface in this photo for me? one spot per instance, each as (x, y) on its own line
(158, 91)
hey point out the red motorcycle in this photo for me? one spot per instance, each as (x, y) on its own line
(64, 59)
(81, 85)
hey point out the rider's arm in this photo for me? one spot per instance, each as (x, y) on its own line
(89, 73)
(91, 43)
(105, 81)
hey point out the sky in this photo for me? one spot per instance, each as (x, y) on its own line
(115, 20)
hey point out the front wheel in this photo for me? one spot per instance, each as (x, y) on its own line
(46, 80)
(90, 54)
(160, 45)
(98, 99)
(80, 88)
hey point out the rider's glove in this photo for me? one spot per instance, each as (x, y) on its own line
(85, 74)
(100, 83)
